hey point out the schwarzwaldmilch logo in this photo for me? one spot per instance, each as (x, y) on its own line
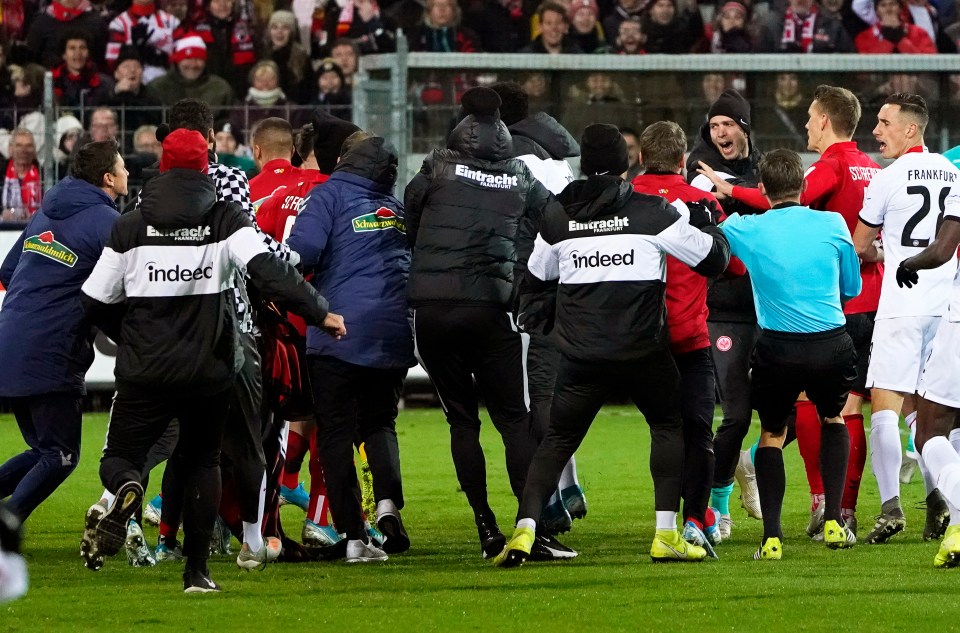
(45, 244)
(380, 220)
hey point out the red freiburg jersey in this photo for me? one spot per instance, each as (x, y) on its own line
(686, 290)
(837, 182)
(278, 212)
(275, 174)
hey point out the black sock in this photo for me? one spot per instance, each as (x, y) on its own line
(358, 535)
(771, 483)
(834, 454)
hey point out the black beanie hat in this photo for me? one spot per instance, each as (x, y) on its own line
(732, 104)
(515, 103)
(603, 150)
(329, 134)
(480, 101)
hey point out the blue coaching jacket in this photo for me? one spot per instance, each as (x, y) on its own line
(352, 235)
(44, 347)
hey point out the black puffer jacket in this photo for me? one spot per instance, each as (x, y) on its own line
(163, 287)
(606, 248)
(728, 299)
(542, 136)
(463, 210)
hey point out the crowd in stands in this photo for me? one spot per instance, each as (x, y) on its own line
(117, 63)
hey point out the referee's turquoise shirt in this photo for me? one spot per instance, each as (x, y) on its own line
(801, 262)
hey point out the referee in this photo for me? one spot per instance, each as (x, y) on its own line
(795, 257)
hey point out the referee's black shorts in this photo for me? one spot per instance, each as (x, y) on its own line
(860, 329)
(784, 364)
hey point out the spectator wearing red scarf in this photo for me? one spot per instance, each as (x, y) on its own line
(22, 188)
(62, 16)
(149, 31)
(76, 81)
(804, 28)
(228, 34)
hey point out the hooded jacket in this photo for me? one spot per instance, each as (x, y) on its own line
(607, 248)
(543, 144)
(728, 299)
(352, 235)
(463, 211)
(44, 343)
(171, 266)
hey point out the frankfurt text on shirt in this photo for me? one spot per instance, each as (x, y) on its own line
(931, 174)
(498, 181)
(615, 223)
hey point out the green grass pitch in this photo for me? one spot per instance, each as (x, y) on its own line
(442, 584)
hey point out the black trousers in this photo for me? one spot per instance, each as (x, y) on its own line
(824, 365)
(50, 426)
(243, 463)
(653, 384)
(138, 420)
(732, 347)
(352, 401)
(697, 396)
(457, 344)
(543, 360)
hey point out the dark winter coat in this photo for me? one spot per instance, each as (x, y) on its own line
(44, 343)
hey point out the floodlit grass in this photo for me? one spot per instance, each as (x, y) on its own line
(442, 584)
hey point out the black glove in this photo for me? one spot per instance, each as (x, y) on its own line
(905, 276)
(893, 33)
(701, 214)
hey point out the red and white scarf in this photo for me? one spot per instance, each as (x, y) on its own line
(22, 193)
(64, 14)
(792, 24)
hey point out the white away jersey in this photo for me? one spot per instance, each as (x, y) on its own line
(909, 199)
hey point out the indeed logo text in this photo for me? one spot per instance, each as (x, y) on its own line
(155, 273)
(601, 260)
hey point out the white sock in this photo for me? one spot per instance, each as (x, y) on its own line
(666, 520)
(944, 465)
(955, 439)
(568, 477)
(527, 523)
(108, 497)
(252, 534)
(885, 452)
(929, 481)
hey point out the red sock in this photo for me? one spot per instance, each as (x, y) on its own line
(318, 487)
(168, 532)
(808, 441)
(297, 446)
(710, 517)
(858, 458)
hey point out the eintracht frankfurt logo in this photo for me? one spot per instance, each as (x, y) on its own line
(724, 343)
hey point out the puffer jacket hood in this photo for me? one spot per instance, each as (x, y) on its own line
(481, 136)
(587, 199)
(374, 159)
(72, 197)
(177, 198)
(546, 132)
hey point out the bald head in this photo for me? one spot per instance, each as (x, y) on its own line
(272, 139)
